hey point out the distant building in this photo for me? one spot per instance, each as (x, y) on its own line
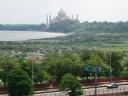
(61, 17)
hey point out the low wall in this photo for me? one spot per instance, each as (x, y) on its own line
(3, 90)
(114, 79)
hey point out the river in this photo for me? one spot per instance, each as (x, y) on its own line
(26, 35)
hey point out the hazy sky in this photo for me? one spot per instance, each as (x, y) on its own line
(35, 11)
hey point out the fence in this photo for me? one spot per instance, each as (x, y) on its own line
(109, 92)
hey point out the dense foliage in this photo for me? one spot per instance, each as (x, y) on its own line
(19, 83)
(59, 65)
(102, 27)
(55, 66)
(69, 83)
(70, 25)
(22, 27)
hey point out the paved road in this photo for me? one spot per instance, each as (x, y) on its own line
(90, 91)
(87, 92)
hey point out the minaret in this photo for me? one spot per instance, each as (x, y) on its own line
(77, 19)
(50, 19)
(72, 17)
(47, 20)
(77, 16)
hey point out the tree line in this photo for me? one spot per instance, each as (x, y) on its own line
(69, 25)
(22, 27)
(54, 66)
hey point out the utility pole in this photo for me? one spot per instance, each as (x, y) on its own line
(110, 65)
(32, 58)
(95, 84)
(94, 70)
(32, 73)
(110, 74)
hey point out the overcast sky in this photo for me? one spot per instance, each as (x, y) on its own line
(35, 11)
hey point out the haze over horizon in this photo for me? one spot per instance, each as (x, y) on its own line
(35, 11)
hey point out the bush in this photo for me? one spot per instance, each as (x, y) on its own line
(69, 83)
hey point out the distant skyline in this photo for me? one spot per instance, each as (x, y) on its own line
(35, 11)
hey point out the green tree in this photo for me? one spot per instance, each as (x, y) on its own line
(71, 84)
(60, 64)
(74, 63)
(27, 67)
(19, 83)
(117, 66)
(6, 64)
(40, 74)
(97, 61)
(56, 66)
(86, 55)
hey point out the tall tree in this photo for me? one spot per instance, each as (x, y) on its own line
(71, 84)
(19, 83)
(60, 64)
(117, 66)
(7, 64)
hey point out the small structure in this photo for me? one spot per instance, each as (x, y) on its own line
(35, 57)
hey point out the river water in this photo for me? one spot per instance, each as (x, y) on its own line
(26, 35)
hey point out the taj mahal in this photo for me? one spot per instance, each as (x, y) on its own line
(61, 17)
